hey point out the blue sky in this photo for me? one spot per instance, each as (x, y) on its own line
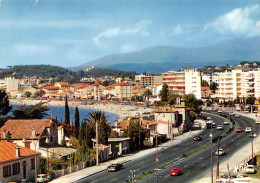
(72, 32)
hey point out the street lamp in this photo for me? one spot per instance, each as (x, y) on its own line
(210, 135)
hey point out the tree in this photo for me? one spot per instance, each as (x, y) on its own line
(27, 94)
(77, 122)
(204, 83)
(213, 86)
(164, 93)
(103, 127)
(4, 103)
(37, 111)
(192, 102)
(67, 112)
(250, 100)
(147, 94)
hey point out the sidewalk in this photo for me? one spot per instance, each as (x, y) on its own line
(240, 155)
(103, 166)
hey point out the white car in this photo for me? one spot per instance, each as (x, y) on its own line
(250, 169)
(43, 178)
(226, 123)
(220, 152)
(219, 127)
(231, 114)
(208, 118)
(237, 116)
(248, 129)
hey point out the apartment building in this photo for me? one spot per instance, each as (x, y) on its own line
(12, 84)
(176, 81)
(193, 83)
(124, 91)
(184, 82)
(210, 78)
(238, 83)
(151, 80)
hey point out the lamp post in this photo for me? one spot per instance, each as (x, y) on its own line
(210, 135)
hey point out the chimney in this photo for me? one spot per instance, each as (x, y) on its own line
(33, 133)
(17, 151)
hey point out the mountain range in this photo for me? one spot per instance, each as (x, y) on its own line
(159, 59)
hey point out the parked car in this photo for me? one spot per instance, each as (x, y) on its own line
(220, 152)
(252, 135)
(248, 129)
(219, 127)
(213, 124)
(114, 167)
(197, 138)
(175, 171)
(43, 178)
(208, 118)
(231, 114)
(239, 129)
(250, 169)
(237, 116)
(226, 122)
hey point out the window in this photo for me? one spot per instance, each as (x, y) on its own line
(32, 164)
(16, 168)
(7, 171)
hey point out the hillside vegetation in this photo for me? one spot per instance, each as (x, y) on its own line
(60, 73)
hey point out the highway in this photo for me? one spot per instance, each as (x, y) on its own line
(193, 167)
(198, 164)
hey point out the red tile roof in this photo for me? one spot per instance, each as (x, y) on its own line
(82, 87)
(22, 128)
(123, 84)
(51, 87)
(8, 151)
(96, 83)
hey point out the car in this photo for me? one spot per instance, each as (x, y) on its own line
(114, 167)
(219, 127)
(213, 124)
(220, 152)
(43, 178)
(175, 171)
(219, 111)
(248, 129)
(250, 169)
(226, 122)
(197, 138)
(239, 129)
(208, 118)
(231, 114)
(237, 116)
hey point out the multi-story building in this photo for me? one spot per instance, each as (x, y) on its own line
(193, 83)
(124, 91)
(183, 82)
(151, 80)
(210, 78)
(11, 84)
(238, 83)
(175, 81)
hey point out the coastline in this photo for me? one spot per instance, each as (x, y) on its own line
(120, 110)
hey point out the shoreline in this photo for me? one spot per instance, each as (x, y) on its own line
(120, 110)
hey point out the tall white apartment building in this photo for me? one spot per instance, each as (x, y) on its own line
(210, 78)
(184, 82)
(238, 83)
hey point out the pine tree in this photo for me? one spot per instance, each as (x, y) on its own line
(77, 122)
(4, 103)
(164, 94)
(67, 112)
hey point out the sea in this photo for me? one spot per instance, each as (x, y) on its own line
(59, 113)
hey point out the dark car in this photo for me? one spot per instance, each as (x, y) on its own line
(197, 138)
(114, 167)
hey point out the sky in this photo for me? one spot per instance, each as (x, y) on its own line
(69, 33)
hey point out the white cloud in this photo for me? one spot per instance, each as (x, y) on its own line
(177, 30)
(139, 28)
(237, 22)
(36, 2)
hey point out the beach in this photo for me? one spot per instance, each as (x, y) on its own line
(121, 110)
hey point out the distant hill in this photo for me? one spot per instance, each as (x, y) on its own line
(160, 59)
(60, 73)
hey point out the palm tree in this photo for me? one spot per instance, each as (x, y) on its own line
(103, 127)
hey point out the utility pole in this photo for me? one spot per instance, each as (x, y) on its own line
(218, 161)
(210, 135)
(139, 124)
(97, 142)
(252, 133)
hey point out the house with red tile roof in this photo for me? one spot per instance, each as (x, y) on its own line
(17, 163)
(31, 133)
